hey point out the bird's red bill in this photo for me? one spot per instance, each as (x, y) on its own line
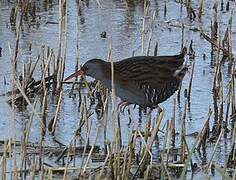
(77, 73)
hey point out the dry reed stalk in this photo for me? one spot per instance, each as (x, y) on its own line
(13, 16)
(151, 33)
(147, 127)
(28, 101)
(143, 25)
(127, 154)
(193, 166)
(146, 146)
(164, 170)
(103, 167)
(86, 116)
(59, 75)
(222, 5)
(205, 132)
(111, 163)
(116, 129)
(165, 8)
(190, 11)
(173, 124)
(214, 28)
(59, 47)
(231, 156)
(65, 45)
(3, 161)
(124, 166)
(109, 57)
(90, 152)
(215, 6)
(45, 68)
(116, 148)
(191, 81)
(146, 175)
(233, 92)
(24, 144)
(44, 90)
(77, 40)
(52, 125)
(86, 144)
(182, 177)
(14, 58)
(142, 165)
(234, 134)
(164, 167)
(17, 83)
(200, 9)
(167, 125)
(217, 93)
(68, 157)
(229, 42)
(41, 159)
(43, 111)
(32, 172)
(155, 49)
(183, 132)
(166, 144)
(28, 129)
(105, 120)
(214, 150)
(228, 101)
(215, 90)
(119, 138)
(131, 153)
(13, 96)
(227, 6)
(83, 116)
(213, 43)
(168, 140)
(221, 100)
(182, 46)
(222, 173)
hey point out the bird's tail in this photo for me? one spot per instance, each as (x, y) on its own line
(180, 72)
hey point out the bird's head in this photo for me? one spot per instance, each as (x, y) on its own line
(91, 68)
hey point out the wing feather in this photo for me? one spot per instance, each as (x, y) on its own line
(153, 75)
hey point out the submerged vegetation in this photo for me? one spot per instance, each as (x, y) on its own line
(156, 146)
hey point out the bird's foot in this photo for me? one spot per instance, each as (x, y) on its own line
(150, 111)
(122, 105)
(159, 109)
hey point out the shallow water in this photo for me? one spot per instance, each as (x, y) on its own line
(123, 24)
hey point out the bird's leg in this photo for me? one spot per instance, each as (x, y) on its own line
(150, 111)
(122, 105)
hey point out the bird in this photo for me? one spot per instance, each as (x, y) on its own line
(146, 81)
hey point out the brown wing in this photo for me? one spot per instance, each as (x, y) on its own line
(152, 70)
(154, 76)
